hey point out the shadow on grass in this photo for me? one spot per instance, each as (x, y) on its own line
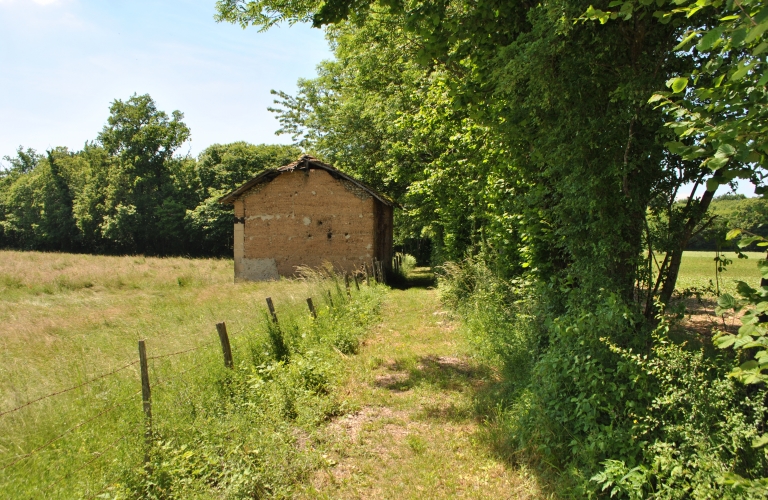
(420, 277)
(442, 372)
(487, 394)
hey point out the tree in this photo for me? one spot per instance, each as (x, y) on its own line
(139, 214)
(219, 169)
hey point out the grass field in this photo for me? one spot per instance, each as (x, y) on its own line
(409, 399)
(66, 319)
(698, 268)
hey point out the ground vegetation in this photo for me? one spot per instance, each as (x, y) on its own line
(546, 145)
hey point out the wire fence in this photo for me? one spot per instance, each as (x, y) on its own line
(146, 399)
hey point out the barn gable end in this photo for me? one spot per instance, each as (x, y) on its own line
(307, 214)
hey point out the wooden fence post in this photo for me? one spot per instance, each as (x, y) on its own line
(311, 307)
(271, 309)
(146, 396)
(346, 284)
(225, 347)
(381, 272)
(330, 298)
(357, 284)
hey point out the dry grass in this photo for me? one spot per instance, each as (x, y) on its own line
(65, 318)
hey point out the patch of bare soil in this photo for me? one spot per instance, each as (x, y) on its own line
(349, 426)
(700, 318)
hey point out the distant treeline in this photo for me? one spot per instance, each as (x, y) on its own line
(727, 212)
(127, 191)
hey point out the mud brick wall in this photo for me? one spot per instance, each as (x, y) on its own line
(304, 218)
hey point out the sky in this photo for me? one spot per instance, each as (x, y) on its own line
(62, 62)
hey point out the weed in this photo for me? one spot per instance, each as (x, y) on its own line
(416, 444)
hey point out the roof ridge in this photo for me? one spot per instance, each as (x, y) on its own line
(308, 161)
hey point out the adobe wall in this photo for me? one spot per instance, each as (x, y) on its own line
(303, 218)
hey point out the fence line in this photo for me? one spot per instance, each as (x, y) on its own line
(160, 356)
(163, 381)
(122, 402)
(104, 375)
(68, 431)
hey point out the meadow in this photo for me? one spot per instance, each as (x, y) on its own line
(698, 269)
(69, 319)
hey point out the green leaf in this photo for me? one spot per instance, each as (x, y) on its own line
(726, 301)
(760, 442)
(677, 84)
(745, 242)
(749, 365)
(655, 97)
(686, 40)
(762, 266)
(744, 289)
(756, 32)
(739, 74)
(725, 341)
(676, 147)
(760, 49)
(725, 150)
(717, 162)
(732, 234)
(713, 183)
(742, 341)
(738, 36)
(709, 39)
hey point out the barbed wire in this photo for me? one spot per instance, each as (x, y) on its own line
(104, 375)
(168, 355)
(57, 393)
(163, 381)
(68, 431)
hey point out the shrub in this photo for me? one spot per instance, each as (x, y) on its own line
(612, 406)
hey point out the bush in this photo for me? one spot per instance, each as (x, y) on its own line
(605, 404)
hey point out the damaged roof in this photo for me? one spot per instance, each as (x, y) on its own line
(305, 162)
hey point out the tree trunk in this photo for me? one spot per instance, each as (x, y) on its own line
(676, 255)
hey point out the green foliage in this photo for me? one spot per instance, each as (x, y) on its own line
(729, 211)
(588, 397)
(235, 433)
(718, 120)
(127, 192)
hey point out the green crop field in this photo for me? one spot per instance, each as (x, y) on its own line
(698, 268)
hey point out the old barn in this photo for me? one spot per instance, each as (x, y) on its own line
(308, 213)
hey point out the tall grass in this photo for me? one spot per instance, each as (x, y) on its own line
(602, 403)
(217, 432)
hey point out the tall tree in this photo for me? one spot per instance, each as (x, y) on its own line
(138, 204)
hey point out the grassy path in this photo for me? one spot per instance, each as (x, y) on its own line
(415, 431)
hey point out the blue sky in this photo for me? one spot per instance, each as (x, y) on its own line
(64, 61)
